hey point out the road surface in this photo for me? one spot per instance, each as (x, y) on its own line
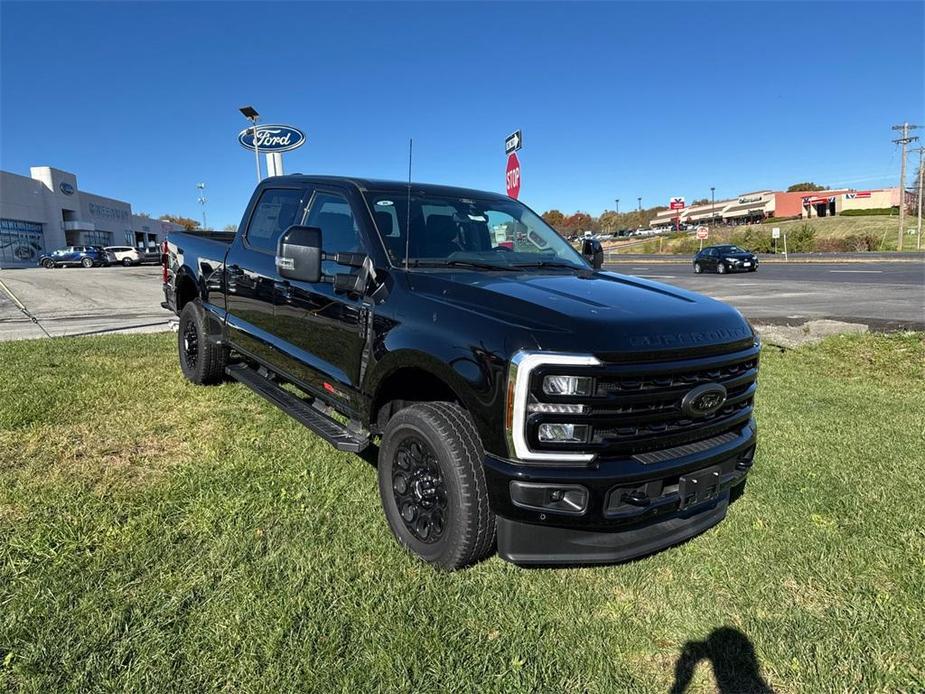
(882, 295)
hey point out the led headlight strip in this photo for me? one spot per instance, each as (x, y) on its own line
(522, 365)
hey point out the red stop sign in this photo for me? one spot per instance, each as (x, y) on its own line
(512, 175)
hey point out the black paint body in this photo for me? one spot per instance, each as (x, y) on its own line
(453, 331)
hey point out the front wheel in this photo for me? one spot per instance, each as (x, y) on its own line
(433, 487)
(721, 268)
(201, 360)
(87, 262)
(127, 262)
(48, 263)
(697, 268)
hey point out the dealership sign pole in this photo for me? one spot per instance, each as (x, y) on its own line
(512, 143)
(272, 139)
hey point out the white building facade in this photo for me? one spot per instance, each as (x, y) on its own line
(46, 211)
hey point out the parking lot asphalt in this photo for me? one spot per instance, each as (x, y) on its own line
(880, 295)
(80, 301)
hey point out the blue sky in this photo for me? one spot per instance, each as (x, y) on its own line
(615, 100)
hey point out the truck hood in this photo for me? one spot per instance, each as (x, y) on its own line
(608, 312)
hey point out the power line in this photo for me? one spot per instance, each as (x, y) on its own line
(903, 141)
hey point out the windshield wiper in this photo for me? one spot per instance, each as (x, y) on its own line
(458, 263)
(547, 263)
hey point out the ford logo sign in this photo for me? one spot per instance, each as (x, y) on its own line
(272, 138)
(66, 188)
(703, 400)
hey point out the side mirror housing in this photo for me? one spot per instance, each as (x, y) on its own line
(298, 254)
(593, 253)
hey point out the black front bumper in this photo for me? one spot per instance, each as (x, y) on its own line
(634, 505)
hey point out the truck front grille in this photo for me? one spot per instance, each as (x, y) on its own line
(637, 407)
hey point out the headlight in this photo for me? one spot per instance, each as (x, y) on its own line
(567, 385)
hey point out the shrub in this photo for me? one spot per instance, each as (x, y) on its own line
(871, 212)
(802, 239)
(687, 246)
(753, 239)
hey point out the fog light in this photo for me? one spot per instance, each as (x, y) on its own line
(563, 433)
(567, 385)
(568, 499)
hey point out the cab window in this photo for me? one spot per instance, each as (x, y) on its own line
(274, 212)
(331, 213)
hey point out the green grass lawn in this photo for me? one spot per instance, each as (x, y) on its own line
(159, 536)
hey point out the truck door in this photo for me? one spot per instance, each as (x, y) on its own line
(251, 275)
(323, 329)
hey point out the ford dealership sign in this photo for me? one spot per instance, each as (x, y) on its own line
(272, 138)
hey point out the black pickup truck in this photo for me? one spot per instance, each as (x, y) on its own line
(522, 398)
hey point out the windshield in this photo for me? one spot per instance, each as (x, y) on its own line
(451, 231)
(731, 249)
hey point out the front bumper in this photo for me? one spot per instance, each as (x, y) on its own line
(633, 505)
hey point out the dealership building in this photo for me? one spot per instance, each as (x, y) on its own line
(760, 205)
(47, 210)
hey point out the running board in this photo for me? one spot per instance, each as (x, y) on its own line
(329, 429)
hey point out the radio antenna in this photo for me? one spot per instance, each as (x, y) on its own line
(408, 209)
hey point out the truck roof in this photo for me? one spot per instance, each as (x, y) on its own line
(383, 186)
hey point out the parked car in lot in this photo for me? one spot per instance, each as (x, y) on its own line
(85, 256)
(723, 259)
(521, 397)
(127, 255)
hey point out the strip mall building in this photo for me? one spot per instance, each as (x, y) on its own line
(46, 210)
(760, 205)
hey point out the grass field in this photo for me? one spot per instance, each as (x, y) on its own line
(157, 536)
(883, 228)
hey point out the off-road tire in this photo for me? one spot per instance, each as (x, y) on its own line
(201, 360)
(468, 528)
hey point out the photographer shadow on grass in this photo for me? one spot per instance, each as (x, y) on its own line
(735, 665)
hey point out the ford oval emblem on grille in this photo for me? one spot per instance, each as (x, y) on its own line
(703, 400)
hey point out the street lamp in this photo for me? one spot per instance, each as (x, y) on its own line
(639, 200)
(251, 114)
(618, 205)
(712, 205)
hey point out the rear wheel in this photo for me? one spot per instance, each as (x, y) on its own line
(433, 487)
(201, 360)
(697, 268)
(86, 262)
(126, 262)
(48, 263)
(721, 268)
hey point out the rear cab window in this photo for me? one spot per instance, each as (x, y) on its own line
(275, 211)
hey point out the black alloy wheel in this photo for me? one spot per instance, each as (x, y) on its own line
(48, 263)
(419, 490)
(202, 361)
(190, 345)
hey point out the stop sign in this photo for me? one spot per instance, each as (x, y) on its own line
(703, 233)
(512, 175)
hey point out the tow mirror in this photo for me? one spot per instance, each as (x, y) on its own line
(298, 254)
(593, 252)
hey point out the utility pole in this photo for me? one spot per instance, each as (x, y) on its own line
(918, 226)
(903, 141)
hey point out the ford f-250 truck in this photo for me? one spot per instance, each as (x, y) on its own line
(522, 397)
